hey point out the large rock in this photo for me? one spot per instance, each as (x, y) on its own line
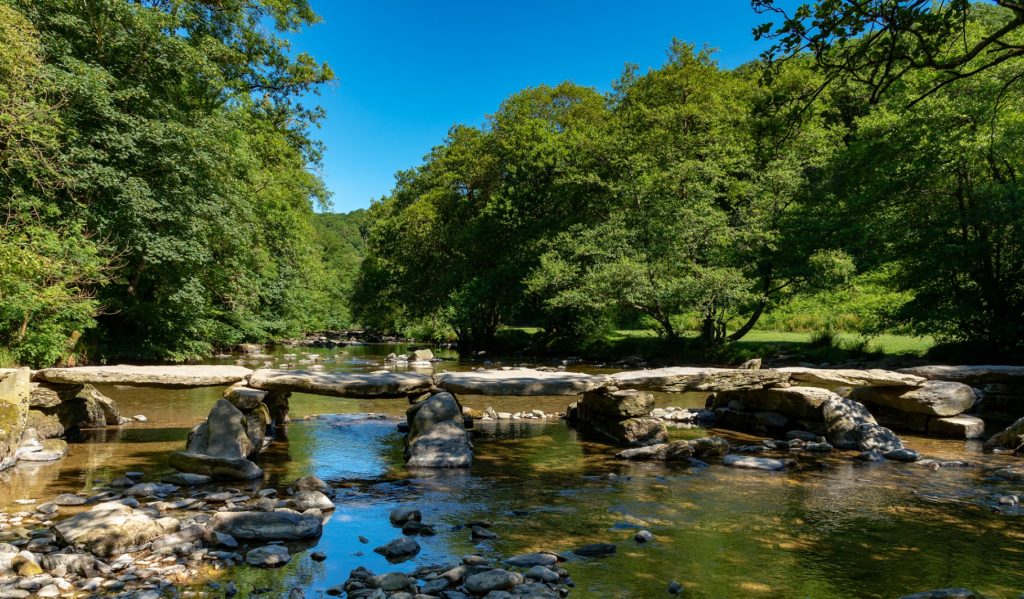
(341, 384)
(957, 427)
(267, 526)
(936, 398)
(111, 528)
(1010, 438)
(437, 434)
(844, 377)
(215, 467)
(225, 434)
(87, 408)
(975, 376)
(798, 402)
(146, 376)
(518, 382)
(14, 399)
(874, 437)
(842, 417)
(685, 378)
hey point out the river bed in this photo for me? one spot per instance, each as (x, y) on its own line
(826, 528)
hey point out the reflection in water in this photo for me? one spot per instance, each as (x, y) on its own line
(827, 528)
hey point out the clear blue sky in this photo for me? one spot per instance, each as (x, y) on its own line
(409, 69)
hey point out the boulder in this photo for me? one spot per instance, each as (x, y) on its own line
(48, 450)
(14, 400)
(305, 500)
(842, 417)
(110, 529)
(935, 398)
(215, 467)
(171, 377)
(616, 404)
(423, 355)
(797, 402)
(957, 427)
(873, 436)
(437, 434)
(267, 526)
(341, 384)
(518, 382)
(686, 378)
(311, 483)
(225, 434)
(1010, 438)
(483, 583)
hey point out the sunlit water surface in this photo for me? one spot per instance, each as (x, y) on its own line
(827, 528)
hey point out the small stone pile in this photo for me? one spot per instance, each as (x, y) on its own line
(621, 416)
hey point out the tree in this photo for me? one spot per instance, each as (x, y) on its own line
(48, 265)
(877, 43)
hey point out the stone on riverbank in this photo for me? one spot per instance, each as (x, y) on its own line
(437, 434)
(111, 528)
(935, 398)
(171, 377)
(267, 526)
(518, 382)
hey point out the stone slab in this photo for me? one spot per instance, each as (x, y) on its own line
(690, 378)
(976, 376)
(173, 377)
(848, 377)
(341, 384)
(519, 382)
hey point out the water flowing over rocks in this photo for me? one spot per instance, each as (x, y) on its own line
(437, 435)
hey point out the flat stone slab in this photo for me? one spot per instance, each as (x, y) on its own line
(679, 379)
(341, 384)
(174, 377)
(847, 377)
(971, 375)
(519, 382)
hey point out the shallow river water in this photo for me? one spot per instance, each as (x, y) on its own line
(827, 528)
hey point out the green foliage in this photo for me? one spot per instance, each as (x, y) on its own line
(343, 245)
(179, 195)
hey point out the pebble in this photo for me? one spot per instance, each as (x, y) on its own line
(643, 536)
(675, 588)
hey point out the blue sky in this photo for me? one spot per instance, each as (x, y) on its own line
(409, 69)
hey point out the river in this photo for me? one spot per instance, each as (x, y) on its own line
(827, 528)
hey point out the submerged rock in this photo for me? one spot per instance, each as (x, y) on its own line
(269, 556)
(741, 461)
